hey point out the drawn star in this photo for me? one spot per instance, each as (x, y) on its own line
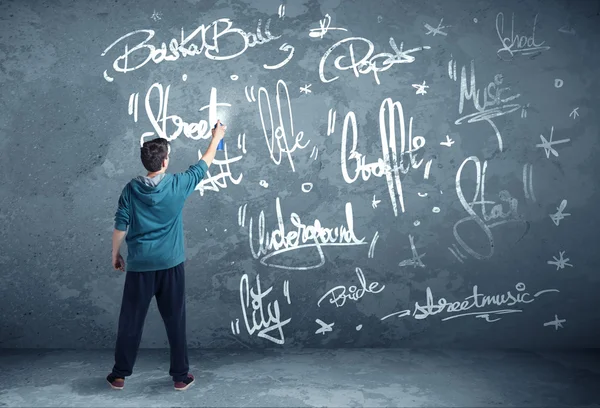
(437, 30)
(420, 88)
(560, 262)
(305, 89)
(324, 327)
(574, 113)
(375, 202)
(556, 322)
(547, 144)
(156, 16)
(449, 142)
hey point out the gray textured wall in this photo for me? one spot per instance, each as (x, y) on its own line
(473, 135)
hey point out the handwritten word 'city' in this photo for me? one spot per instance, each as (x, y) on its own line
(209, 40)
(485, 221)
(304, 236)
(369, 62)
(392, 162)
(273, 321)
(340, 294)
(517, 43)
(475, 301)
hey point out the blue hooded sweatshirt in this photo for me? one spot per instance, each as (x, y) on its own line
(152, 209)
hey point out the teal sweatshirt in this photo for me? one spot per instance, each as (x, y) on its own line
(150, 210)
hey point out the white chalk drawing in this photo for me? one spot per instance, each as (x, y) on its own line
(574, 113)
(306, 187)
(475, 301)
(242, 142)
(274, 128)
(133, 105)
(435, 210)
(560, 262)
(324, 327)
(331, 121)
(263, 183)
(184, 77)
(324, 27)
(566, 29)
(371, 252)
(340, 294)
(392, 162)
(107, 77)
(559, 214)
(300, 238)
(475, 20)
(422, 194)
(485, 221)
(528, 181)
(420, 88)
(250, 97)
(557, 323)
(286, 291)
(416, 224)
(306, 89)
(156, 15)
(369, 62)
(169, 126)
(234, 77)
(437, 30)
(207, 40)
(427, 169)
(517, 44)
(374, 202)
(281, 11)
(285, 47)
(253, 299)
(379, 19)
(242, 215)
(494, 104)
(547, 144)
(359, 327)
(219, 181)
(315, 153)
(448, 143)
(524, 109)
(416, 258)
(558, 83)
(457, 254)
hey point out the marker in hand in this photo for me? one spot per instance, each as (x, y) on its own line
(220, 146)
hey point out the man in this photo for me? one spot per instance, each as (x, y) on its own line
(151, 206)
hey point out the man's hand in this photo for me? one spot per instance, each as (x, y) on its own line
(218, 131)
(118, 262)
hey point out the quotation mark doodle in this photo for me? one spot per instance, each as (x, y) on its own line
(556, 323)
(315, 152)
(371, 252)
(281, 10)
(133, 105)
(559, 215)
(524, 111)
(331, 121)
(235, 329)
(242, 215)
(560, 262)
(452, 69)
(242, 142)
(324, 327)
(250, 94)
(286, 291)
(528, 181)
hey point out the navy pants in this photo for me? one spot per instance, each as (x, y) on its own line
(168, 285)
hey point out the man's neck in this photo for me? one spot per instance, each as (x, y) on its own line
(151, 175)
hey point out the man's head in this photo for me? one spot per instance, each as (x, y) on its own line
(155, 155)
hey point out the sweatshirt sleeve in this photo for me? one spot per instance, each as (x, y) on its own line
(189, 179)
(122, 214)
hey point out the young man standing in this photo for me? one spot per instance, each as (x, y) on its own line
(151, 206)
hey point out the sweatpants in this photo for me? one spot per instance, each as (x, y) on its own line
(168, 285)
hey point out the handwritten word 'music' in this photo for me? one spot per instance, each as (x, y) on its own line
(475, 301)
(211, 40)
(392, 162)
(303, 236)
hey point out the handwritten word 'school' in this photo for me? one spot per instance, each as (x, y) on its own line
(205, 39)
(369, 62)
(516, 43)
(477, 301)
(301, 237)
(497, 215)
(340, 294)
(393, 161)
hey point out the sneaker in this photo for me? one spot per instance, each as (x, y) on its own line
(185, 384)
(115, 382)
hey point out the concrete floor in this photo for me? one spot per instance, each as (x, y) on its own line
(309, 377)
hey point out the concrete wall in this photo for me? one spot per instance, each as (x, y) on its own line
(462, 206)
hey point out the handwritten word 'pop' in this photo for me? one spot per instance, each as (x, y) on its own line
(369, 62)
(393, 162)
(253, 300)
(475, 301)
(485, 221)
(341, 293)
(205, 39)
(517, 44)
(279, 241)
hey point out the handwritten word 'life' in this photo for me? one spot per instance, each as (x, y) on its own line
(368, 63)
(304, 236)
(392, 163)
(493, 106)
(338, 295)
(496, 215)
(517, 43)
(277, 140)
(212, 39)
(272, 323)
(475, 301)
